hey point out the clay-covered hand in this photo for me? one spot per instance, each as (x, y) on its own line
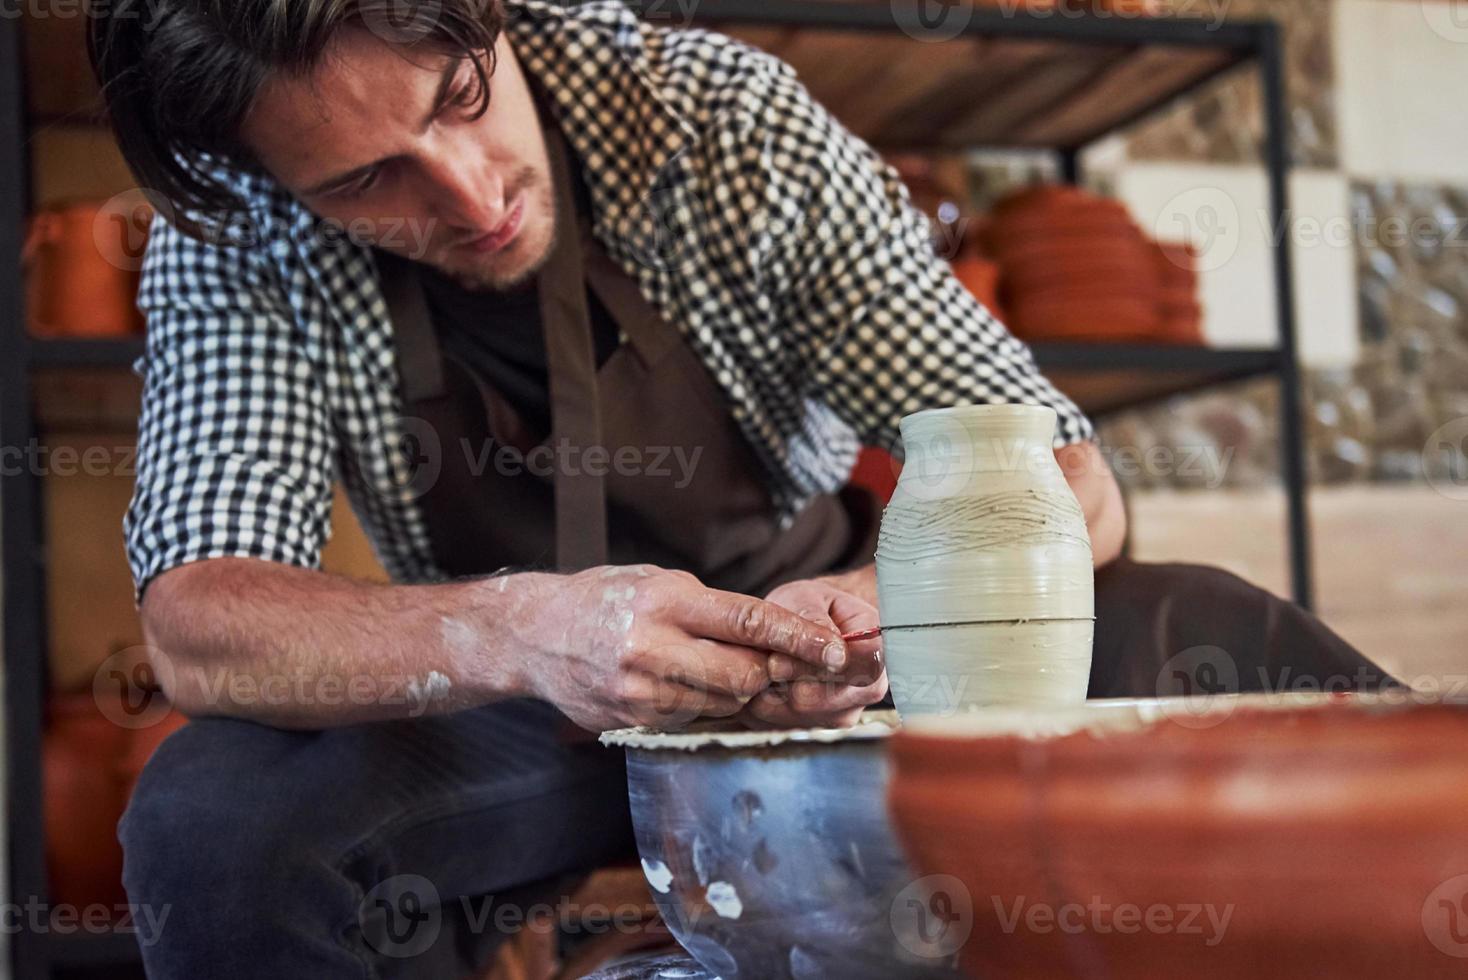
(617, 646)
(805, 696)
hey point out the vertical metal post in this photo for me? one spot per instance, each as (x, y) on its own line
(1070, 166)
(20, 534)
(1292, 435)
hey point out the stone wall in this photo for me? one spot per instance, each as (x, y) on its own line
(1396, 414)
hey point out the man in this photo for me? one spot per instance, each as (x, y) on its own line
(492, 267)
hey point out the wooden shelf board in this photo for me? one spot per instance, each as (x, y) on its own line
(1107, 378)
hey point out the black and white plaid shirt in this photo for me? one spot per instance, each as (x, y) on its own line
(784, 248)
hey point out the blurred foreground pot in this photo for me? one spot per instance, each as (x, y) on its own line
(1263, 836)
(771, 856)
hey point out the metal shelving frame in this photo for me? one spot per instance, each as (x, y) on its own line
(1253, 42)
(33, 956)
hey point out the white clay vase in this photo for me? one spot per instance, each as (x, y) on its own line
(984, 575)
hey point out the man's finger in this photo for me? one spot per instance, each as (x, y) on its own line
(708, 665)
(763, 625)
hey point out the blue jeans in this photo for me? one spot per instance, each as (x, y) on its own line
(405, 849)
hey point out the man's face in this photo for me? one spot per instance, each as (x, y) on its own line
(386, 146)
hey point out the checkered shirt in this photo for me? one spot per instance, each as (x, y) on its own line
(785, 250)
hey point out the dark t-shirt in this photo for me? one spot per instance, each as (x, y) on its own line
(499, 337)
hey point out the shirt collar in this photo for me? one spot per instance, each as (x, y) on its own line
(594, 64)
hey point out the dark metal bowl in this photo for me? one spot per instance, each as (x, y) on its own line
(771, 854)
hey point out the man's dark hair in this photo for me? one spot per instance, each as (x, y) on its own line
(179, 82)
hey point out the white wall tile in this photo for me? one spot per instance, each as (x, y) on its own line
(1223, 210)
(1402, 74)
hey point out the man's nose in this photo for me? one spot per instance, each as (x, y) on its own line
(469, 196)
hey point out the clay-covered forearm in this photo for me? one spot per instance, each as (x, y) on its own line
(297, 648)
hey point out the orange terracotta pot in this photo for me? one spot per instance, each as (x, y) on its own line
(85, 792)
(1263, 837)
(981, 278)
(82, 262)
(142, 744)
(1100, 318)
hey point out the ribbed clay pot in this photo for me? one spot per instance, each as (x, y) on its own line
(984, 574)
(1263, 836)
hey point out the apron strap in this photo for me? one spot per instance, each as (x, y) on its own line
(645, 327)
(581, 500)
(419, 359)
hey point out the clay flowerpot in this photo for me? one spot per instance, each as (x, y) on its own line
(85, 792)
(1268, 836)
(1093, 318)
(981, 278)
(984, 574)
(82, 262)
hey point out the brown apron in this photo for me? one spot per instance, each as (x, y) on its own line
(644, 462)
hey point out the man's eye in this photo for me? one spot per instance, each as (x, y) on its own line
(361, 186)
(467, 94)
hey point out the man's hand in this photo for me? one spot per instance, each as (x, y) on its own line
(640, 645)
(801, 695)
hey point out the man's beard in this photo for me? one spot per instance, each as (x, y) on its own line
(486, 278)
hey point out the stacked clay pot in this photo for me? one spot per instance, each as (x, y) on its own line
(1332, 830)
(1075, 267)
(1182, 314)
(82, 262)
(90, 764)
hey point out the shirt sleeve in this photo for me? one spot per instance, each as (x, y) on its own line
(886, 328)
(234, 439)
